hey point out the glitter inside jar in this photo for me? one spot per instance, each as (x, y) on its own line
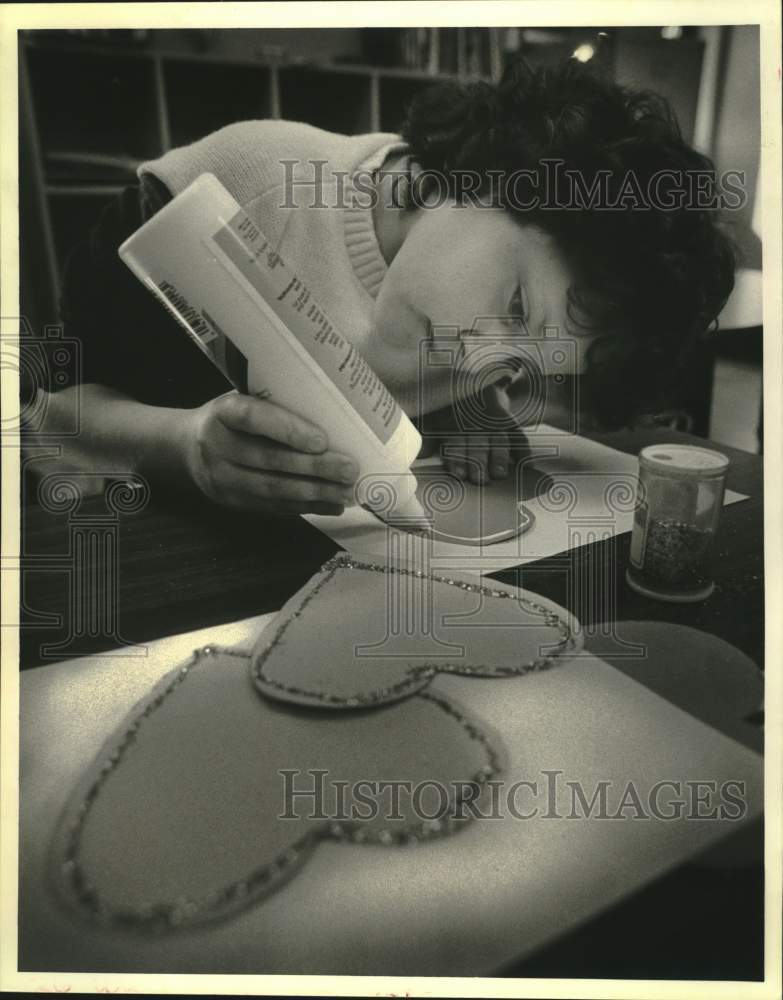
(678, 506)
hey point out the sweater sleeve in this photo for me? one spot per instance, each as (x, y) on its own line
(127, 340)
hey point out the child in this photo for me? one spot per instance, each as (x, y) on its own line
(552, 202)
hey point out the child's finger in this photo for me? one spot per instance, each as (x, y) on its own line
(265, 455)
(500, 457)
(519, 442)
(260, 417)
(243, 487)
(478, 466)
(455, 450)
(293, 509)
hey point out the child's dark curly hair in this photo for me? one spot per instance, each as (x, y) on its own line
(651, 280)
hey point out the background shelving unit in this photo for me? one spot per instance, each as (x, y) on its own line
(94, 104)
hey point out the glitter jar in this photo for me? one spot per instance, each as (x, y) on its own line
(677, 511)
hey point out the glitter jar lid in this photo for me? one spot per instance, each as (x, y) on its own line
(683, 461)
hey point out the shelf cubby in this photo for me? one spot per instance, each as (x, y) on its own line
(203, 97)
(94, 103)
(339, 101)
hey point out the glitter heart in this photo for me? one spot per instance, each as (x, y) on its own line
(361, 633)
(189, 813)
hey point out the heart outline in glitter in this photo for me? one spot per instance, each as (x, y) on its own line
(274, 645)
(73, 884)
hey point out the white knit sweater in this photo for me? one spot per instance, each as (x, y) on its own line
(333, 248)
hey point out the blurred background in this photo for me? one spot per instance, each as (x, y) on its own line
(93, 104)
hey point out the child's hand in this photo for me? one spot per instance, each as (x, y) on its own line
(249, 453)
(481, 458)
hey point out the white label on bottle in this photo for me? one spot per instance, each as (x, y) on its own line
(251, 253)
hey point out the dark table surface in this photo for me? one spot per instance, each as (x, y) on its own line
(172, 568)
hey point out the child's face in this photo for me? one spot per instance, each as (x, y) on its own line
(478, 271)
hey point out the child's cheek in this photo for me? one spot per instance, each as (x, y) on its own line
(460, 287)
(455, 267)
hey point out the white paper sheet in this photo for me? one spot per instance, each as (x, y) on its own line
(593, 499)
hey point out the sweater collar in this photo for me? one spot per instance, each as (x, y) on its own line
(361, 242)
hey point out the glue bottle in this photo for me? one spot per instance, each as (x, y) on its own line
(208, 262)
